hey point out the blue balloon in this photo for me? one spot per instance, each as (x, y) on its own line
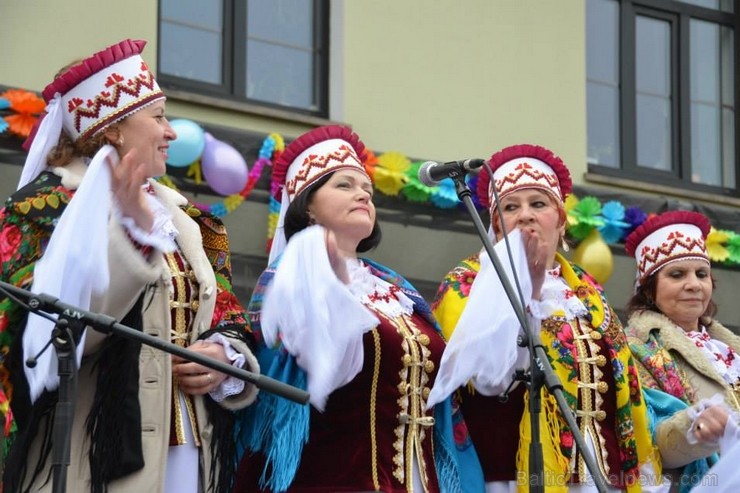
(189, 144)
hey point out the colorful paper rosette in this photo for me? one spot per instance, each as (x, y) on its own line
(715, 243)
(415, 190)
(583, 216)
(390, 173)
(444, 195)
(26, 107)
(614, 227)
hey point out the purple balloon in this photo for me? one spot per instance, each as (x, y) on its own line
(224, 168)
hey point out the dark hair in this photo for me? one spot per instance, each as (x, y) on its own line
(296, 217)
(644, 299)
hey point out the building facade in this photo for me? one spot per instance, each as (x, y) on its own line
(637, 96)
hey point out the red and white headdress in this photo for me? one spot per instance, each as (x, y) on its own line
(666, 238)
(314, 154)
(83, 101)
(524, 166)
(89, 96)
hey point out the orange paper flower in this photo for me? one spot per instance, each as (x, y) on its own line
(25, 102)
(369, 161)
(27, 106)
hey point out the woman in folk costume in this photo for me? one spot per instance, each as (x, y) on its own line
(357, 335)
(580, 332)
(88, 225)
(679, 346)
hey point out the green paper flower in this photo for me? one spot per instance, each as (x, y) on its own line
(415, 190)
(584, 217)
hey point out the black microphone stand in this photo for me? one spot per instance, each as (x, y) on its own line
(66, 335)
(540, 370)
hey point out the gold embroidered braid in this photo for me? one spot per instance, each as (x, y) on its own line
(179, 335)
(587, 413)
(373, 406)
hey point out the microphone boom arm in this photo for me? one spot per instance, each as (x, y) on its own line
(107, 324)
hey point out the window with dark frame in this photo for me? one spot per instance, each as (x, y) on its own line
(271, 53)
(661, 92)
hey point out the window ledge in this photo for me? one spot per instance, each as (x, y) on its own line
(656, 188)
(253, 109)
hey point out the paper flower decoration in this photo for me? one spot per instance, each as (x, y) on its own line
(634, 216)
(584, 217)
(733, 247)
(279, 143)
(27, 107)
(218, 209)
(472, 181)
(268, 146)
(415, 190)
(390, 173)
(715, 245)
(232, 202)
(272, 217)
(571, 201)
(614, 225)
(370, 162)
(444, 195)
(4, 105)
(195, 172)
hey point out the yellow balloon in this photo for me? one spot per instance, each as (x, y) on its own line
(594, 255)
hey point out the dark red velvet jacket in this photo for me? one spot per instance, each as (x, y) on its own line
(355, 435)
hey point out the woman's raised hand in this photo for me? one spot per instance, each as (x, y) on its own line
(127, 179)
(538, 254)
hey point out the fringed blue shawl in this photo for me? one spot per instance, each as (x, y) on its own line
(661, 406)
(279, 428)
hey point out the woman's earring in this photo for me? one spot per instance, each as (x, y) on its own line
(120, 141)
(564, 244)
(311, 219)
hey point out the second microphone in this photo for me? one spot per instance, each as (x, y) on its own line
(432, 172)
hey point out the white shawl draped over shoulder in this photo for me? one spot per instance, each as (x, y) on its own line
(315, 316)
(483, 347)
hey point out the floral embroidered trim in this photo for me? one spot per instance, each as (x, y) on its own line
(721, 356)
(372, 291)
(557, 300)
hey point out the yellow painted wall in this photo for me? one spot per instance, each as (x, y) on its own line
(437, 79)
(37, 37)
(446, 79)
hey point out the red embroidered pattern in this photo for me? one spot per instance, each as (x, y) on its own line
(652, 256)
(314, 164)
(387, 297)
(700, 338)
(525, 169)
(116, 85)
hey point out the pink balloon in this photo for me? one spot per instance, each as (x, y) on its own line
(223, 167)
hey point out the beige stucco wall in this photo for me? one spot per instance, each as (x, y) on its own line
(447, 80)
(40, 36)
(438, 79)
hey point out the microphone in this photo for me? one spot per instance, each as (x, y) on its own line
(431, 172)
